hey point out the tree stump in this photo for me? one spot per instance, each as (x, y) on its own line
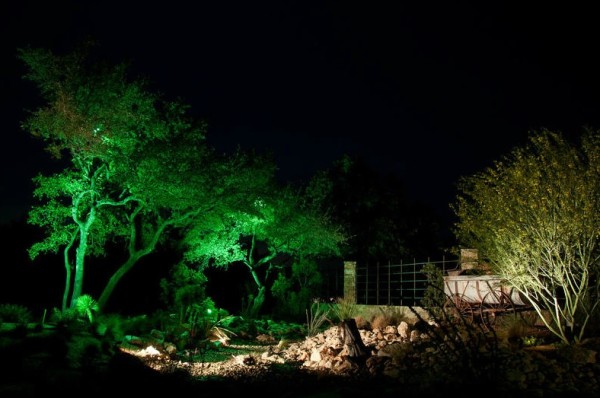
(352, 340)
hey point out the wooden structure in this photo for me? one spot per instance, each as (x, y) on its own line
(480, 298)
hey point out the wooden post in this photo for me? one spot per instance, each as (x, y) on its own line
(352, 340)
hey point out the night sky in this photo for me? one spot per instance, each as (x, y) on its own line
(428, 91)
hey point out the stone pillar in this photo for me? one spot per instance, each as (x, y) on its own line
(350, 281)
(469, 259)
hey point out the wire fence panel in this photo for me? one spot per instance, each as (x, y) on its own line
(395, 284)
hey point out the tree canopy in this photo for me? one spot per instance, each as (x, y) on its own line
(281, 228)
(138, 171)
(137, 166)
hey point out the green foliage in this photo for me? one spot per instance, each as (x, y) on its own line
(15, 313)
(535, 217)
(184, 287)
(112, 326)
(142, 323)
(206, 322)
(61, 317)
(316, 316)
(106, 126)
(84, 310)
(136, 168)
(279, 228)
(529, 341)
(86, 307)
(248, 310)
(202, 325)
(295, 293)
(434, 296)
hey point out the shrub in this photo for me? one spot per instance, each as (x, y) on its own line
(110, 325)
(434, 296)
(344, 308)
(86, 307)
(379, 321)
(15, 313)
(315, 318)
(390, 315)
(362, 323)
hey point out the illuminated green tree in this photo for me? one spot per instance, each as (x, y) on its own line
(135, 167)
(281, 227)
(535, 216)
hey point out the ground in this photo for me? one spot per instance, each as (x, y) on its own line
(51, 363)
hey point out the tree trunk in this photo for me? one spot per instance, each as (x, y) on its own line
(134, 257)
(256, 303)
(114, 280)
(352, 340)
(67, 289)
(80, 253)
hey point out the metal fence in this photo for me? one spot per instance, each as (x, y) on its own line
(395, 284)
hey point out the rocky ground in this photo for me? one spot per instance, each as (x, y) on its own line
(401, 359)
(402, 362)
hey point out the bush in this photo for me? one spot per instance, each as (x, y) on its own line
(362, 323)
(344, 308)
(315, 318)
(434, 296)
(390, 315)
(15, 313)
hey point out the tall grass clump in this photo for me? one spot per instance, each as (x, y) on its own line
(316, 316)
(343, 308)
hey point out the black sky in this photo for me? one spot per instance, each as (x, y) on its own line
(430, 91)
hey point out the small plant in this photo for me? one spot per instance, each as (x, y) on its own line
(315, 318)
(529, 341)
(204, 325)
(362, 323)
(86, 307)
(390, 315)
(344, 308)
(379, 321)
(205, 330)
(110, 325)
(62, 317)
